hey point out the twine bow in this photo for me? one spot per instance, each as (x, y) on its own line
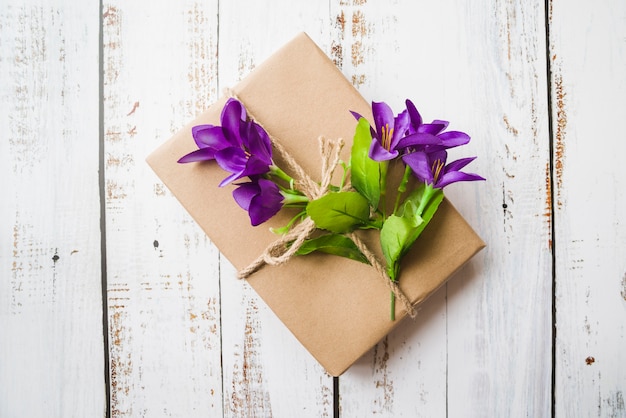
(281, 250)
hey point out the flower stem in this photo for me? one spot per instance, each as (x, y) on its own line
(402, 187)
(429, 192)
(383, 186)
(292, 198)
(393, 277)
(284, 229)
(278, 172)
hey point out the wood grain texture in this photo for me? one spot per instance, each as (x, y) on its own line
(160, 70)
(186, 339)
(51, 339)
(500, 344)
(588, 60)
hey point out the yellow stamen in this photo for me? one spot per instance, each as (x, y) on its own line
(386, 136)
(436, 169)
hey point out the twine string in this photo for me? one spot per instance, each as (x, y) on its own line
(380, 269)
(281, 250)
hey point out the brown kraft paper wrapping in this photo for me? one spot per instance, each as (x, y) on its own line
(337, 308)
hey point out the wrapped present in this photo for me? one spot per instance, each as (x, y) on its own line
(336, 307)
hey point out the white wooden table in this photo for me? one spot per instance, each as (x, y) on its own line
(113, 303)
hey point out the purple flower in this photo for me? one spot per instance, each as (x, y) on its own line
(251, 159)
(240, 147)
(421, 136)
(260, 197)
(432, 169)
(210, 138)
(388, 131)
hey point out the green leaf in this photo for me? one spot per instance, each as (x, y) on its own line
(414, 197)
(399, 232)
(334, 244)
(396, 236)
(365, 172)
(424, 199)
(435, 197)
(339, 212)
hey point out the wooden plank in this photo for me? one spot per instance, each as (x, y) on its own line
(266, 370)
(480, 346)
(51, 344)
(499, 313)
(588, 62)
(160, 63)
(482, 68)
(403, 375)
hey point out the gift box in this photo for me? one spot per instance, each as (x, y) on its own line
(336, 307)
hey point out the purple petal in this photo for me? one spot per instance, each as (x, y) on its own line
(445, 123)
(414, 115)
(231, 178)
(379, 153)
(373, 132)
(209, 136)
(459, 164)
(231, 118)
(418, 139)
(454, 138)
(357, 116)
(259, 143)
(231, 159)
(255, 166)
(383, 115)
(432, 128)
(439, 154)
(400, 126)
(455, 176)
(266, 141)
(265, 204)
(202, 154)
(244, 193)
(419, 163)
(196, 128)
(243, 109)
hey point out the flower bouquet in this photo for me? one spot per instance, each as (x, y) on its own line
(243, 148)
